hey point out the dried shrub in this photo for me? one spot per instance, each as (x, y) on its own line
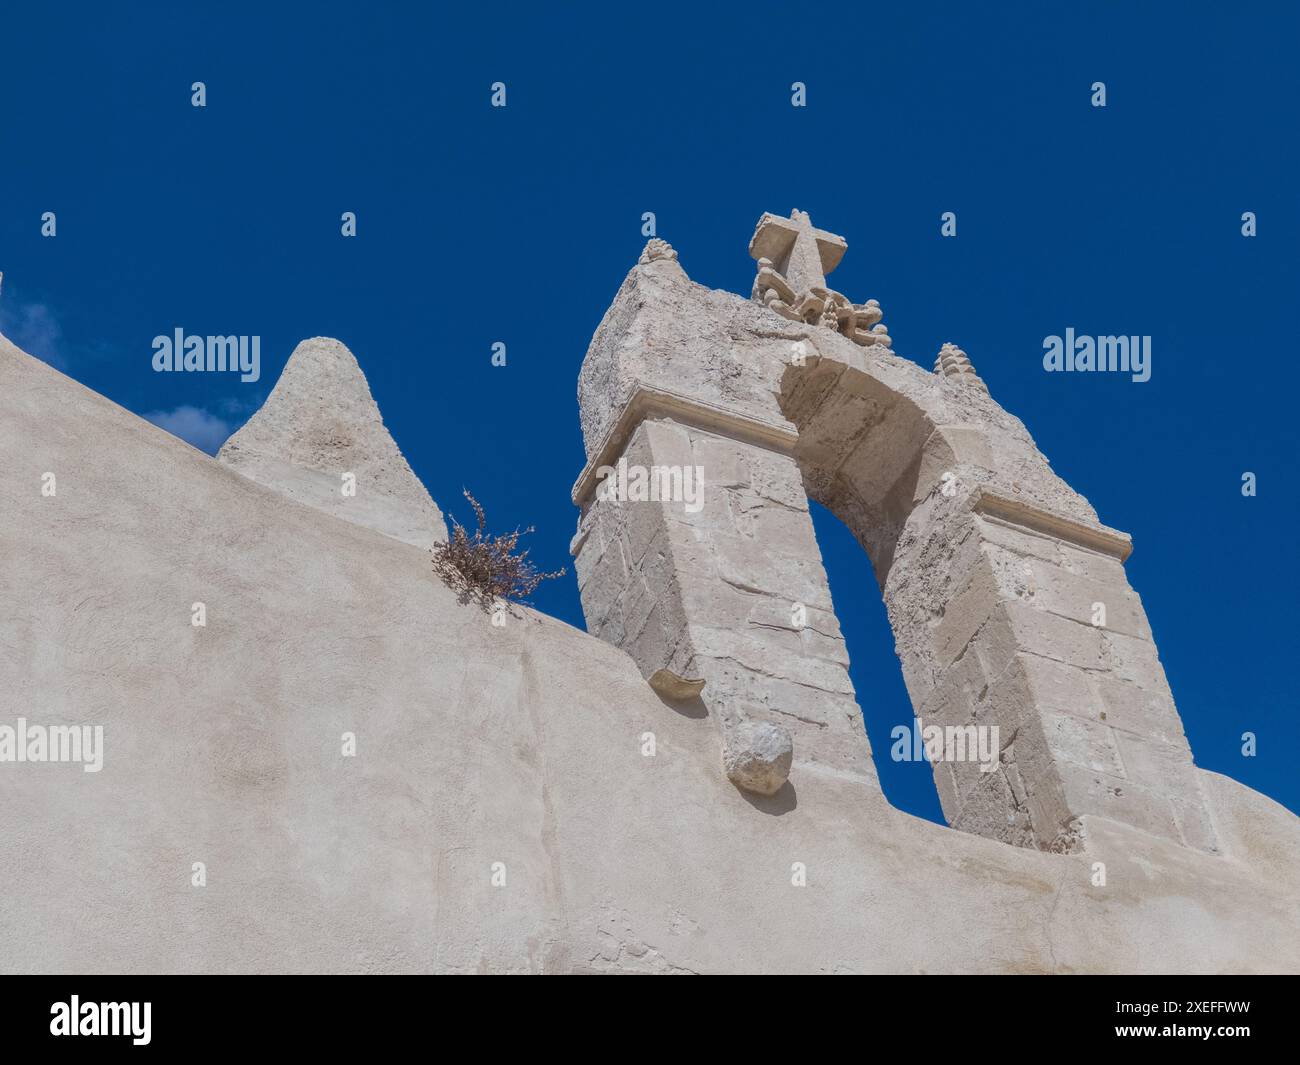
(487, 568)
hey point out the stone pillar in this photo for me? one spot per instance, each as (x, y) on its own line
(718, 594)
(726, 588)
(1009, 603)
(1043, 637)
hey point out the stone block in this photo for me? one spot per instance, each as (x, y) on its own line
(1023, 542)
(1165, 767)
(1134, 660)
(1057, 686)
(769, 613)
(776, 477)
(1051, 587)
(1100, 794)
(779, 615)
(990, 810)
(649, 646)
(1052, 636)
(1129, 708)
(715, 602)
(603, 592)
(772, 653)
(642, 522)
(669, 443)
(1092, 564)
(639, 602)
(944, 455)
(716, 511)
(724, 461)
(781, 530)
(956, 693)
(1084, 743)
(828, 648)
(823, 622)
(965, 614)
(950, 800)
(748, 565)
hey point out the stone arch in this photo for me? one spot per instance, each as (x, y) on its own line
(990, 566)
(992, 570)
(841, 414)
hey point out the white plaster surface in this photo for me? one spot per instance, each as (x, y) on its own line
(321, 422)
(520, 745)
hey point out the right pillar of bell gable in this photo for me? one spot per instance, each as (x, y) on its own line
(1044, 638)
(1028, 657)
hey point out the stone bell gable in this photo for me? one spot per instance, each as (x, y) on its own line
(1007, 595)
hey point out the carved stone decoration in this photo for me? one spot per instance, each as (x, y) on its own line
(655, 250)
(992, 569)
(793, 261)
(830, 319)
(954, 364)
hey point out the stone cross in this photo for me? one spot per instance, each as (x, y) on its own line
(802, 254)
(793, 261)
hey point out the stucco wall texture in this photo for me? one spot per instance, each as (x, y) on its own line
(499, 814)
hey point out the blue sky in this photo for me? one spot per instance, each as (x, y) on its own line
(478, 225)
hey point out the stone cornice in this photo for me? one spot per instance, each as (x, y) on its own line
(647, 401)
(1098, 538)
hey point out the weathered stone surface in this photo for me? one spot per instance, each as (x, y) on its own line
(1083, 743)
(793, 261)
(670, 685)
(729, 590)
(756, 756)
(1147, 713)
(1007, 596)
(523, 745)
(955, 365)
(319, 424)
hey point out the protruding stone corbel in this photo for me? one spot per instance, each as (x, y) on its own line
(671, 686)
(756, 756)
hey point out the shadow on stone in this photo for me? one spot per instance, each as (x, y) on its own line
(782, 802)
(693, 707)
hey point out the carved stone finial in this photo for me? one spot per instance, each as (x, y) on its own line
(954, 364)
(655, 250)
(793, 261)
(830, 319)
